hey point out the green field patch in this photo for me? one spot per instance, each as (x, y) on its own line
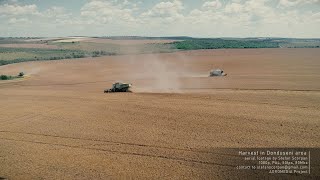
(16, 55)
(116, 48)
(7, 56)
(88, 46)
(300, 44)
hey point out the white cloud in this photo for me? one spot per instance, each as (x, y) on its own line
(234, 8)
(13, 9)
(169, 17)
(106, 12)
(316, 17)
(165, 9)
(55, 11)
(19, 21)
(290, 3)
(212, 4)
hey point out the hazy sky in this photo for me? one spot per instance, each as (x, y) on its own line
(197, 18)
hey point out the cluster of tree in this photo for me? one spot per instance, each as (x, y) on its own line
(6, 77)
(223, 44)
(146, 38)
(102, 53)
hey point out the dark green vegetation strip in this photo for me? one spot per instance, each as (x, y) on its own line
(6, 77)
(224, 44)
(241, 43)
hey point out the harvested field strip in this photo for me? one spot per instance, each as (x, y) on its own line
(38, 46)
(187, 155)
(60, 84)
(117, 142)
(257, 89)
(29, 116)
(198, 88)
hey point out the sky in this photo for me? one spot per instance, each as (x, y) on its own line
(195, 18)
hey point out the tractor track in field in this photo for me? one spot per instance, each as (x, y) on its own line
(25, 117)
(153, 155)
(225, 100)
(204, 88)
(144, 154)
(118, 142)
(53, 84)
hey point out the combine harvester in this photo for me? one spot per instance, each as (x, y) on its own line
(119, 87)
(217, 72)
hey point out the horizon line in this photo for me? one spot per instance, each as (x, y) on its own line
(133, 36)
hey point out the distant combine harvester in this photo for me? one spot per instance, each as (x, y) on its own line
(217, 72)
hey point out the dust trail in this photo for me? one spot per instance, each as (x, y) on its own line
(158, 74)
(30, 69)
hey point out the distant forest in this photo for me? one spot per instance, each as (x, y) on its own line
(224, 44)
